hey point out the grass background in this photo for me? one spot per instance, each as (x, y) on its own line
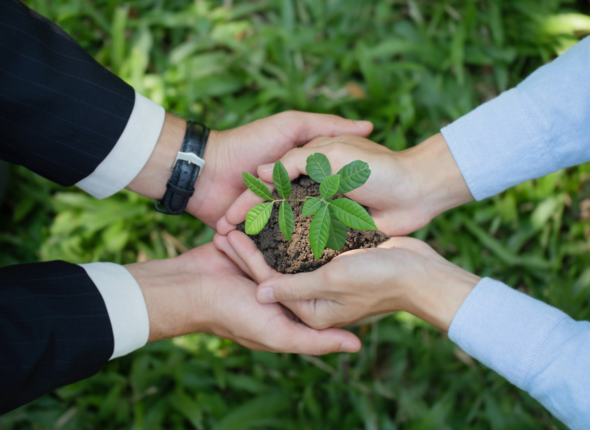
(410, 67)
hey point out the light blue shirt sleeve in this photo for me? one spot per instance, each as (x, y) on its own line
(533, 345)
(538, 127)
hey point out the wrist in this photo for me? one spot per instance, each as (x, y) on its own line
(437, 175)
(439, 299)
(174, 299)
(204, 183)
(151, 180)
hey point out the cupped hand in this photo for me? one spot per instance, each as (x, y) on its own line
(243, 149)
(204, 291)
(400, 274)
(404, 192)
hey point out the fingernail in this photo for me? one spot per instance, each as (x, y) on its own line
(347, 347)
(266, 167)
(362, 124)
(266, 295)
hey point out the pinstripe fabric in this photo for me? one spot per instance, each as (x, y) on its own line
(54, 330)
(61, 112)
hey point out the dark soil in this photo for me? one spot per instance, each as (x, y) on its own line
(295, 256)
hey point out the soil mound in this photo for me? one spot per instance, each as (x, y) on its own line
(295, 256)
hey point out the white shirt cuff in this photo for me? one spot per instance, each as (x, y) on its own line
(125, 305)
(131, 152)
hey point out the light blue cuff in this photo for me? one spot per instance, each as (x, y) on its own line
(535, 346)
(497, 146)
(537, 128)
(503, 328)
(560, 376)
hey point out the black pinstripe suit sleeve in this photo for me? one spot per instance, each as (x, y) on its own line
(61, 113)
(54, 330)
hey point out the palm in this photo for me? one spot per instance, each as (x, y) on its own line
(238, 151)
(269, 324)
(390, 196)
(390, 193)
(329, 296)
(374, 269)
(243, 149)
(240, 317)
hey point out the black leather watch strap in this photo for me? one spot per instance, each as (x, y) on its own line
(187, 167)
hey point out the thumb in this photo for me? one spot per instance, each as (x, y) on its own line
(340, 151)
(306, 340)
(284, 288)
(302, 127)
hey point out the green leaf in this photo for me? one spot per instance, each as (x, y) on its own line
(311, 206)
(286, 220)
(257, 217)
(190, 409)
(329, 186)
(256, 186)
(337, 233)
(318, 167)
(353, 175)
(281, 180)
(319, 231)
(353, 215)
(252, 413)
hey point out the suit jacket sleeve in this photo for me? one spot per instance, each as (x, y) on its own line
(54, 330)
(61, 113)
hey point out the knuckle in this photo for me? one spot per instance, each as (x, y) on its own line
(276, 343)
(292, 292)
(335, 118)
(317, 350)
(317, 322)
(293, 154)
(335, 148)
(289, 115)
(313, 322)
(331, 278)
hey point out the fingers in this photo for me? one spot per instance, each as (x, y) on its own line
(301, 127)
(311, 312)
(251, 256)
(295, 161)
(305, 340)
(409, 244)
(223, 245)
(285, 288)
(223, 226)
(251, 261)
(340, 151)
(238, 211)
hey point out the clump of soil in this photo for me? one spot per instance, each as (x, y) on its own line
(295, 256)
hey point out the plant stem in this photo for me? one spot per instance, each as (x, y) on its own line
(292, 200)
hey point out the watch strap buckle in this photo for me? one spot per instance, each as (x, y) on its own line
(180, 186)
(189, 157)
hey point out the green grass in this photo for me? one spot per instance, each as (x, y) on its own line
(408, 66)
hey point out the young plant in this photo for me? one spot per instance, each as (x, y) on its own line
(328, 227)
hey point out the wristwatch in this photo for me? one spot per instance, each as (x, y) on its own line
(186, 169)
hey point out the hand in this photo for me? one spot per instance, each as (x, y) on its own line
(401, 274)
(404, 192)
(203, 291)
(230, 152)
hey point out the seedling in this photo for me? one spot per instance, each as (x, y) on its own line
(328, 227)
